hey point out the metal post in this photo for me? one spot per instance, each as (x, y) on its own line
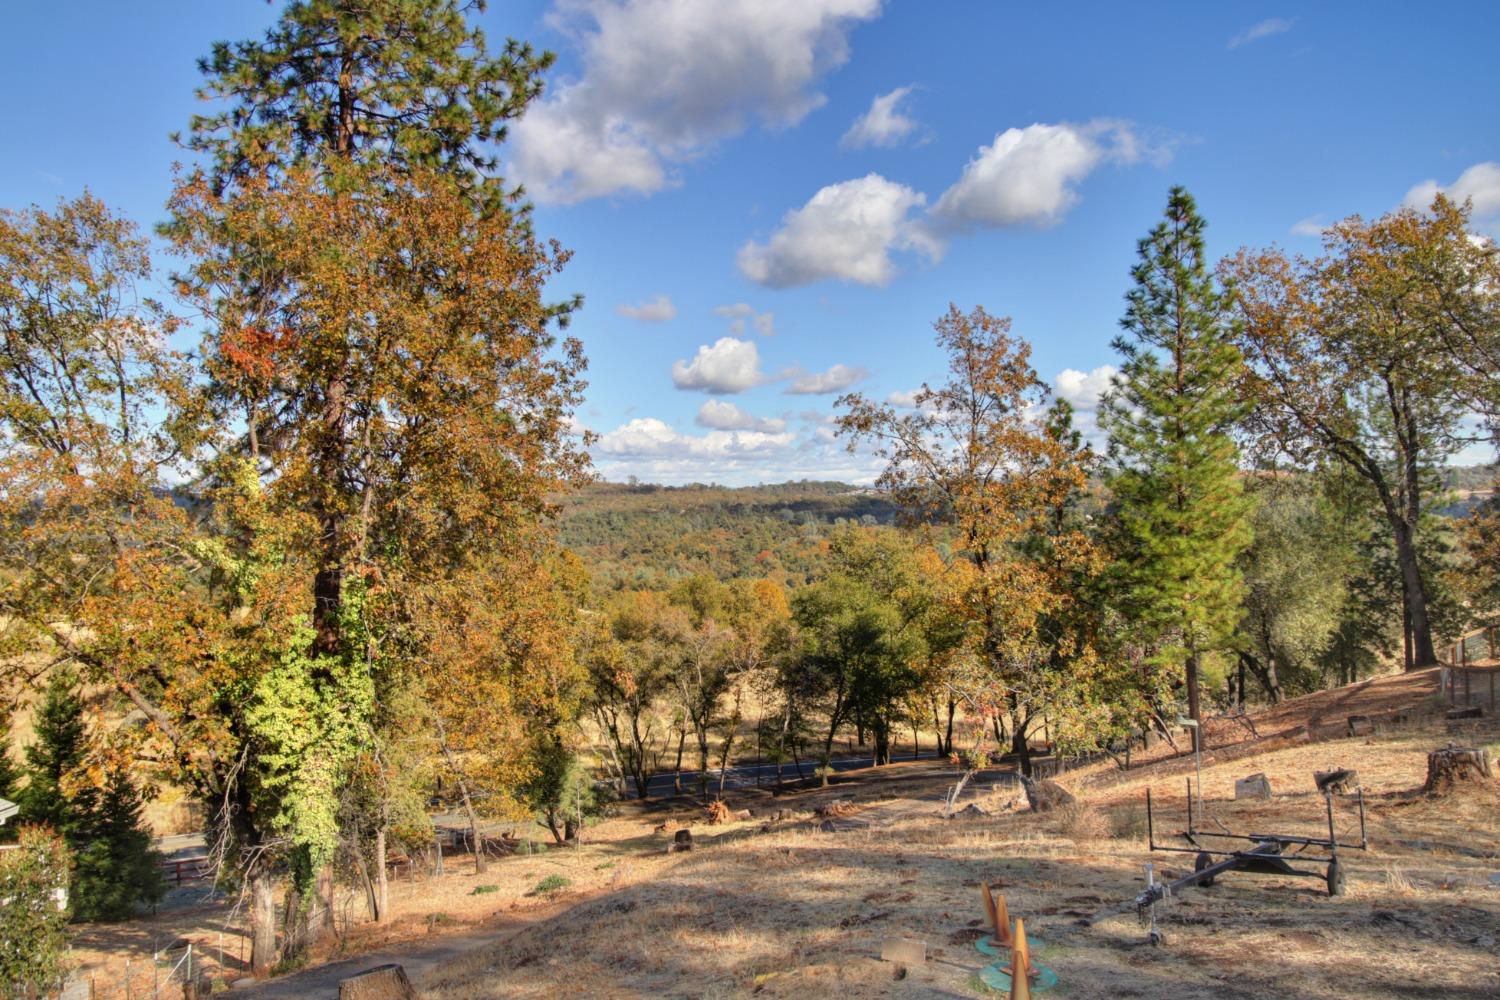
(1333, 843)
(1190, 804)
(1150, 832)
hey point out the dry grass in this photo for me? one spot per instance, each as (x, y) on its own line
(795, 912)
(781, 908)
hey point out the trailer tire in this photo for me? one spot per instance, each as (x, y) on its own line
(1203, 860)
(1335, 879)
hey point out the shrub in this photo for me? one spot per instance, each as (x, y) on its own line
(1128, 823)
(1078, 821)
(481, 890)
(33, 887)
(550, 885)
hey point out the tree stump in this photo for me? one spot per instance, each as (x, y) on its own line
(384, 982)
(1454, 765)
(1045, 796)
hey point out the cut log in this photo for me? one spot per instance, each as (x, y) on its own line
(1361, 725)
(1446, 768)
(1466, 712)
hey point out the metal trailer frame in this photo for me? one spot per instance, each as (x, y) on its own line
(1265, 858)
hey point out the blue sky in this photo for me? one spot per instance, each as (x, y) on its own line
(747, 250)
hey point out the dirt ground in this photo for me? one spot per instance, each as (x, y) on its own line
(785, 908)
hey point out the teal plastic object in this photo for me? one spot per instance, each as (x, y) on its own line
(991, 951)
(996, 979)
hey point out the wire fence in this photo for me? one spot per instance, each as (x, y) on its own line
(179, 972)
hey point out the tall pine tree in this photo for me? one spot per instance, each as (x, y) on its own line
(61, 743)
(10, 777)
(1173, 465)
(115, 866)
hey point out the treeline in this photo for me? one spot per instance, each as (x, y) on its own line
(641, 536)
(310, 569)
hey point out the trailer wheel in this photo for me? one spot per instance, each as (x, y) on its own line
(1203, 860)
(1335, 879)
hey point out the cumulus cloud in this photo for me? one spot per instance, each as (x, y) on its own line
(659, 310)
(1479, 184)
(835, 379)
(883, 125)
(727, 366)
(664, 80)
(653, 450)
(648, 436)
(846, 231)
(1083, 389)
(1263, 29)
(742, 312)
(723, 415)
(904, 398)
(1030, 175)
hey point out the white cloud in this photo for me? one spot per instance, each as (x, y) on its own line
(1030, 175)
(741, 312)
(654, 451)
(883, 125)
(1479, 184)
(1264, 29)
(728, 366)
(904, 398)
(835, 379)
(1083, 389)
(1313, 225)
(846, 231)
(723, 415)
(659, 310)
(664, 80)
(648, 436)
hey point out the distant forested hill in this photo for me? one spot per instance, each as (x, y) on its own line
(648, 536)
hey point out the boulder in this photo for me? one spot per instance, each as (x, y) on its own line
(1257, 786)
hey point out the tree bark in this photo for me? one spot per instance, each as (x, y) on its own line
(382, 882)
(262, 923)
(1194, 702)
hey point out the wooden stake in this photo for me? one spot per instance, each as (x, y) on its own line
(1003, 937)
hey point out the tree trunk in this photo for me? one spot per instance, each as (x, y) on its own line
(1423, 653)
(677, 771)
(1019, 746)
(1194, 706)
(948, 738)
(382, 882)
(262, 923)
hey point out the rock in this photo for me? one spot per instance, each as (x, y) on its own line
(1361, 725)
(1257, 786)
(384, 982)
(971, 811)
(1340, 781)
(742, 814)
(1045, 796)
(682, 840)
(903, 951)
